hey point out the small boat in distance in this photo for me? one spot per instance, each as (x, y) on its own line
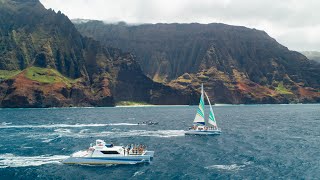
(102, 153)
(200, 126)
(148, 123)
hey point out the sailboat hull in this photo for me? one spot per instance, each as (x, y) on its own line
(203, 132)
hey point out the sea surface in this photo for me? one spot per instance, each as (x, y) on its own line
(258, 142)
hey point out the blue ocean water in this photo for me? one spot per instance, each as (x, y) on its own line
(258, 142)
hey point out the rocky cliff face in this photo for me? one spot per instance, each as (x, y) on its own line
(236, 64)
(46, 62)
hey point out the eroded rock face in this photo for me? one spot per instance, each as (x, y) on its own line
(74, 70)
(23, 92)
(130, 83)
(237, 64)
(238, 89)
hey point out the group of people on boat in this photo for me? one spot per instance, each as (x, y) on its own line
(135, 149)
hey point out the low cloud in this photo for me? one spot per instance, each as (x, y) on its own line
(294, 23)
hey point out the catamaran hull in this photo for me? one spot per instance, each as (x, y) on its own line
(132, 159)
(197, 132)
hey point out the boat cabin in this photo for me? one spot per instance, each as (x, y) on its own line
(101, 149)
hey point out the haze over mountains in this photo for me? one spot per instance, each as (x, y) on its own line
(46, 62)
(236, 64)
(312, 55)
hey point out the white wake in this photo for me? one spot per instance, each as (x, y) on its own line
(232, 167)
(131, 133)
(10, 160)
(5, 126)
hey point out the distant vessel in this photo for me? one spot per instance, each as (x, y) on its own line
(102, 153)
(200, 126)
(149, 123)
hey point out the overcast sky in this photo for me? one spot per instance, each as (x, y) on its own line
(293, 23)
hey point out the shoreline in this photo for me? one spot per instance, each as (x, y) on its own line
(140, 106)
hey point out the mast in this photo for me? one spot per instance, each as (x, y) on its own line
(211, 118)
(199, 119)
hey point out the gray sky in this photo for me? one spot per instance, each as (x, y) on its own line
(293, 23)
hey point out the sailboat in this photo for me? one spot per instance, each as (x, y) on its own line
(200, 125)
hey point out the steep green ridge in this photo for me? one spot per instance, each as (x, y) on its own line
(237, 64)
(30, 34)
(45, 62)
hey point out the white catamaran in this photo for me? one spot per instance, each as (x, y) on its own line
(103, 153)
(200, 126)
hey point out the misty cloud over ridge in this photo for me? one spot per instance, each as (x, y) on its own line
(293, 23)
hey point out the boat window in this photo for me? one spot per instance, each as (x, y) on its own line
(110, 152)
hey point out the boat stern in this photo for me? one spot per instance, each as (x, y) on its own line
(149, 153)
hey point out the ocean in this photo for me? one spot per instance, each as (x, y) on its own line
(257, 142)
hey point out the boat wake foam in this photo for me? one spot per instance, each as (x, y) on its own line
(62, 130)
(84, 134)
(158, 133)
(232, 167)
(10, 160)
(138, 173)
(5, 125)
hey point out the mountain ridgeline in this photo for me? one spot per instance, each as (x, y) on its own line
(235, 64)
(46, 62)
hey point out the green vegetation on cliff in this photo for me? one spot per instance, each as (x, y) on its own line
(131, 103)
(5, 74)
(282, 90)
(47, 75)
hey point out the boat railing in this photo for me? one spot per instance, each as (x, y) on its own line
(135, 149)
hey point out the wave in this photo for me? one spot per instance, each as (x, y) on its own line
(62, 130)
(158, 133)
(5, 123)
(10, 160)
(4, 126)
(83, 131)
(138, 173)
(46, 140)
(125, 124)
(113, 134)
(232, 167)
